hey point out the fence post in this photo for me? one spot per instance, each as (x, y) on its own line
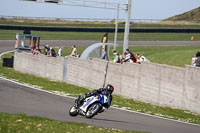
(64, 78)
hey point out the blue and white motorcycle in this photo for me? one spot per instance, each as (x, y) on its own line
(90, 106)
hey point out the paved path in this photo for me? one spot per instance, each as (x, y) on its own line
(16, 98)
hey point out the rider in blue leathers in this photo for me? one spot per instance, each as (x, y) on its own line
(108, 90)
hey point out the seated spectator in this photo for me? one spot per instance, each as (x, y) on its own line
(37, 51)
(121, 59)
(197, 59)
(194, 58)
(74, 51)
(60, 51)
(47, 50)
(140, 58)
(116, 58)
(52, 52)
(129, 56)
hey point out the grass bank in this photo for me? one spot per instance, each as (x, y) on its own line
(118, 101)
(170, 55)
(20, 123)
(46, 35)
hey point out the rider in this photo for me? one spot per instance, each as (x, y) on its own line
(108, 90)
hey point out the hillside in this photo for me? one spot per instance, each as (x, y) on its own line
(191, 16)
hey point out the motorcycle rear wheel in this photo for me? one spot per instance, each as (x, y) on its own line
(92, 111)
(73, 111)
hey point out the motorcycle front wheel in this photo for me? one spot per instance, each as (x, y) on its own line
(73, 111)
(93, 110)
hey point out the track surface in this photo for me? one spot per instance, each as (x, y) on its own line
(16, 98)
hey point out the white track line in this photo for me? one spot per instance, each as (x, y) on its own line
(22, 84)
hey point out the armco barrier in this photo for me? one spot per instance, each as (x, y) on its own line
(162, 85)
(88, 29)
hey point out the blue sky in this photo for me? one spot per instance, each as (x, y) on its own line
(141, 9)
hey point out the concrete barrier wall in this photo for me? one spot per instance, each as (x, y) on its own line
(148, 82)
(86, 73)
(192, 89)
(39, 65)
(162, 85)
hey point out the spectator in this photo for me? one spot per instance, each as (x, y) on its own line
(105, 38)
(104, 55)
(52, 52)
(129, 57)
(74, 51)
(194, 58)
(140, 58)
(116, 58)
(60, 51)
(121, 59)
(197, 59)
(37, 51)
(47, 50)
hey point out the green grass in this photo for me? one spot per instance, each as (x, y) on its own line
(98, 25)
(11, 34)
(118, 101)
(20, 123)
(170, 55)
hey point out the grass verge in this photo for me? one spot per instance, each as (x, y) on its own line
(118, 101)
(20, 123)
(170, 55)
(99, 24)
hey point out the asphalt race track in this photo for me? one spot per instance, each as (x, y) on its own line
(15, 98)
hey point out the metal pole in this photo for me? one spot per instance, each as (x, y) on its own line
(116, 27)
(127, 26)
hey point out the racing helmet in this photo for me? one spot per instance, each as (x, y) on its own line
(110, 88)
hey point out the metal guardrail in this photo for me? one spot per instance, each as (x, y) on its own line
(79, 19)
(70, 29)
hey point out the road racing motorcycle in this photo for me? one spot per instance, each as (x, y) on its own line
(90, 106)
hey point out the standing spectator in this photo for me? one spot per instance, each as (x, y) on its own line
(104, 55)
(141, 58)
(60, 51)
(74, 51)
(104, 40)
(116, 58)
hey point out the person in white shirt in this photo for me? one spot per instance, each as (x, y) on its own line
(141, 58)
(74, 51)
(60, 51)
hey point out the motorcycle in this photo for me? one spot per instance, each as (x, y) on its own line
(90, 106)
